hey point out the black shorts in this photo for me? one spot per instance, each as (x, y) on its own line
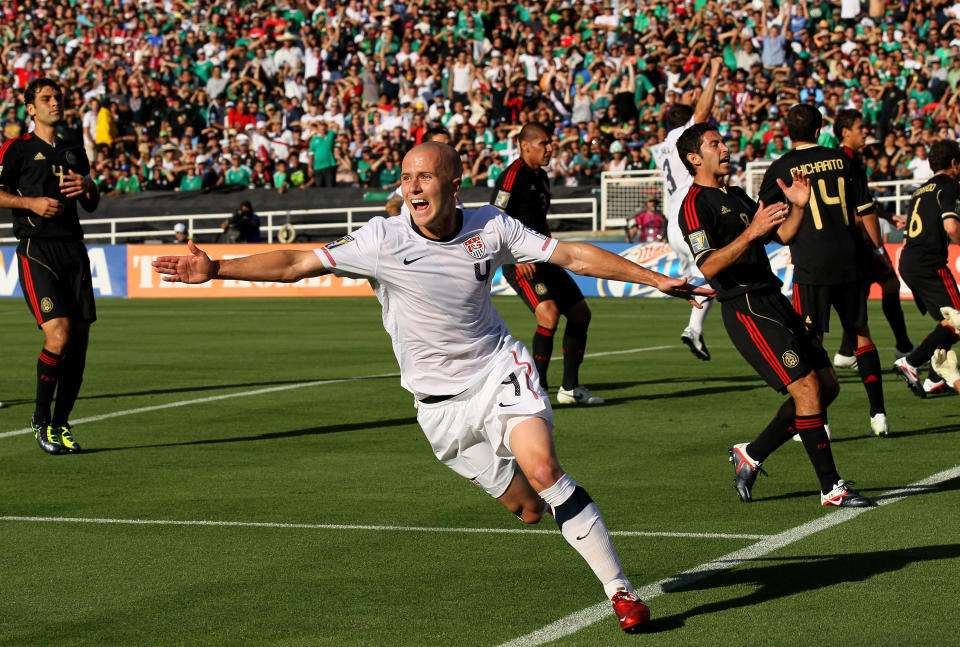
(932, 290)
(813, 302)
(772, 337)
(55, 278)
(549, 283)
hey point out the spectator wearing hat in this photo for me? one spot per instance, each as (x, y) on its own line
(191, 180)
(180, 235)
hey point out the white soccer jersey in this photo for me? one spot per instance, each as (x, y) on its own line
(676, 178)
(436, 294)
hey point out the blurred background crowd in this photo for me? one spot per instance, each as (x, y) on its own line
(187, 95)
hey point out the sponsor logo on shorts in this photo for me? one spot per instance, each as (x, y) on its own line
(790, 359)
(474, 246)
(540, 289)
(340, 241)
(698, 241)
(46, 304)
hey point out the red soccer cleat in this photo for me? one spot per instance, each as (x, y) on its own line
(632, 613)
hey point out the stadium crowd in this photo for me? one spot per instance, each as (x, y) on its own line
(184, 95)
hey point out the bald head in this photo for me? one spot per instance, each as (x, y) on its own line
(441, 158)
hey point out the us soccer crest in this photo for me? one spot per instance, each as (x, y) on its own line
(474, 247)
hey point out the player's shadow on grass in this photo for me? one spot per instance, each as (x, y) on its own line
(792, 575)
(945, 486)
(216, 387)
(938, 429)
(750, 382)
(276, 435)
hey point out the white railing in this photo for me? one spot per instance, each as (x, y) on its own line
(201, 224)
(614, 216)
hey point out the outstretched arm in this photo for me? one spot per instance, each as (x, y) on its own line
(590, 260)
(284, 266)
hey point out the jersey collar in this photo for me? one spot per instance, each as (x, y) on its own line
(445, 239)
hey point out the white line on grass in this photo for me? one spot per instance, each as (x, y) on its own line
(335, 526)
(586, 617)
(272, 389)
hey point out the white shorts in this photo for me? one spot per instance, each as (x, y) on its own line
(470, 432)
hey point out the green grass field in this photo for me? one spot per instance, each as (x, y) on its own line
(283, 424)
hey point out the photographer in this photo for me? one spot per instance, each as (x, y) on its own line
(244, 226)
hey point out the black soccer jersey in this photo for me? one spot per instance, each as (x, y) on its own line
(824, 251)
(859, 173)
(31, 167)
(712, 218)
(524, 193)
(926, 240)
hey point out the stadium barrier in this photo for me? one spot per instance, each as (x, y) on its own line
(125, 271)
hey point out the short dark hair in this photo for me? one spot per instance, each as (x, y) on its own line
(942, 153)
(30, 94)
(433, 133)
(532, 130)
(690, 141)
(845, 120)
(803, 122)
(678, 115)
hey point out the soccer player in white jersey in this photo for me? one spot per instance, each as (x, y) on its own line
(395, 206)
(677, 182)
(479, 401)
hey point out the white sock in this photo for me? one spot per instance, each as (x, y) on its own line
(699, 315)
(583, 528)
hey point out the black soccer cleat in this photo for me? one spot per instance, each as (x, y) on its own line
(696, 344)
(843, 496)
(66, 439)
(745, 471)
(47, 437)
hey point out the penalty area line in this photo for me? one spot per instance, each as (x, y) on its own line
(336, 526)
(592, 614)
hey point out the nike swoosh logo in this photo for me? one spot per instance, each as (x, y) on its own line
(407, 261)
(623, 619)
(507, 405)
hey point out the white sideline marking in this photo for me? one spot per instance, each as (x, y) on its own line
(336, 526)
(212, 398)
(588, 616)
(272, 389)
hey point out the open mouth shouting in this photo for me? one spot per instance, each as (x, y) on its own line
(419, 205)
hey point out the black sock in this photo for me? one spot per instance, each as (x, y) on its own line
(894, 314)
(868, 365)
(71, 377)
(817, 444)
(542, 350)
(574, 341)
(49, 365)
(846, 347)
(779, 431)
(940, 337)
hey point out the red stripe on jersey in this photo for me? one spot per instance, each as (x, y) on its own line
(693, 222)
(951, 287)
(797, 306)
(329, 257)
(526, 371)
(545, 244)
(31, 294)
(528, 290)
(763, 347)
(3, 149)
(512, 174)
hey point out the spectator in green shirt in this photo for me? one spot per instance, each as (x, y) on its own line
(128, 182)
(237, 174)
(281, 181)
(191, 181)
(321, 154)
